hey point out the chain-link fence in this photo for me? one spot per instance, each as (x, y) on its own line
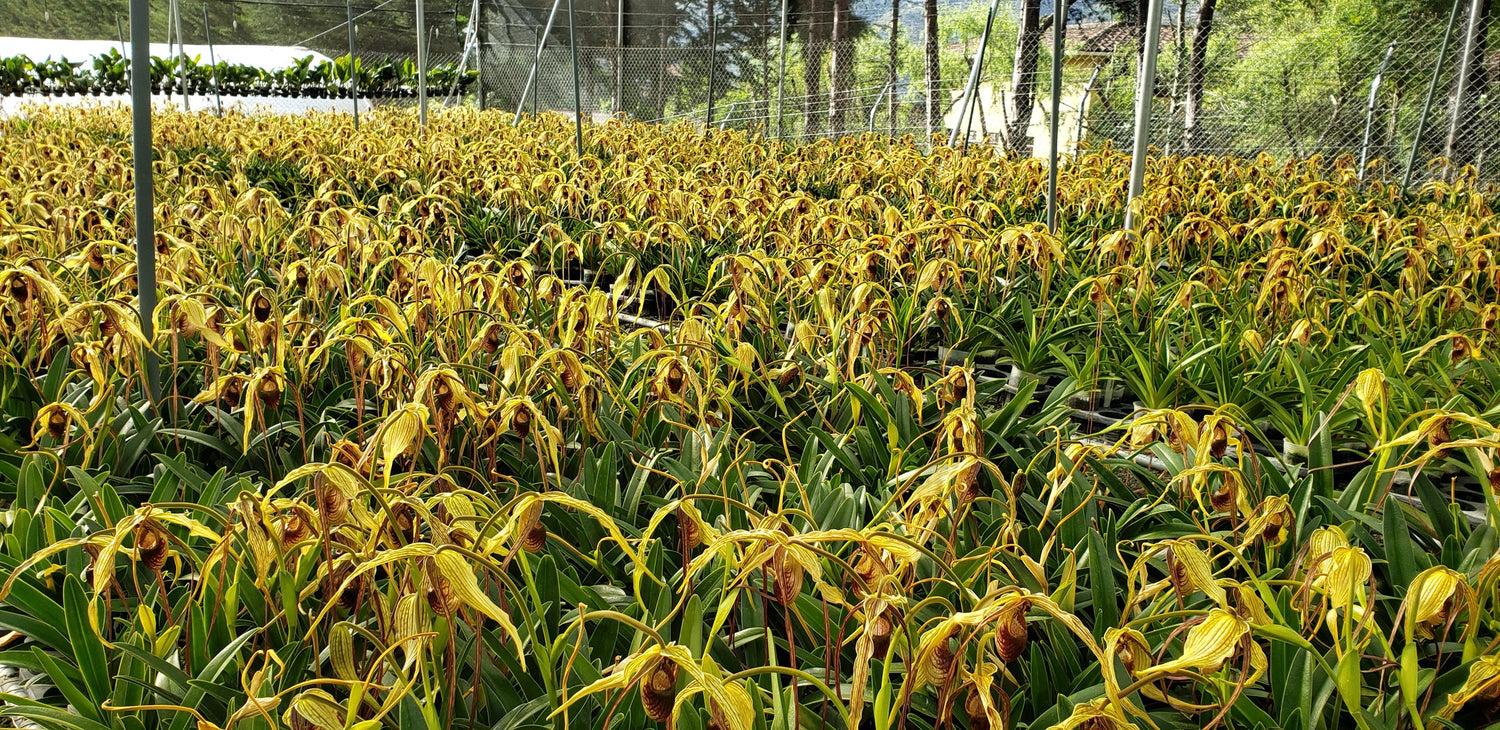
(1373, 79)
(1356, 77)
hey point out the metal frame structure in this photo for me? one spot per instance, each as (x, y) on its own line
(971, 89)
(1059, 26)
(421, 65)
(213, 64)
(1437, 73)
(145, 224)
(536, 62)
(353, 62)
(1144, 93)
(1364, 148)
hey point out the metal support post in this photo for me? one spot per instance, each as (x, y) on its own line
(353, 63)
(1465, 68)
(1437, 72)
(781, 76)
(971, 89)
(1083, 107)
(182, 78)
(421, 65)
(535, 63)
(577, 92)
(895, 33)
(1144, 92)
(481, 92)
(145, 225)
(713, 42)
(213, 64)
(1364, 149)
(1059, 24)
(876, 106)
(619, 56)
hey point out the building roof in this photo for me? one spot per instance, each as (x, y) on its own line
(1108, 37)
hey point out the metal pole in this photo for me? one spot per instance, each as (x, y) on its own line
(121, 31)
(481, 93)
(1144, 92)
(895, 31)
(145, 226)
(1437, 72)
(713, 41)
(968, 118)
(536, 96)
(213, 65)
(1059, 23)
(619, 55)
(181, 55)
(973, 85)
(353, 63)
(1364, 150)
(1177, 74)
(166, 82)
(577, 93)
(537, 61)
(421, 65)
(781, 76)
(1083, 105)
(471, 44)
(1465, 62)
(876, 106)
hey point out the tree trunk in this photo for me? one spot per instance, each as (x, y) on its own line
(1197, 63)
(934, 69)
(841, 72)
(814, 51)
(1464, 135)
(1142, 10)
(1023, 78)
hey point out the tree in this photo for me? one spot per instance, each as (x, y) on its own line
(1023, 76)
(1197, 66)
(933, 60)
(841, 73)
(814, 51)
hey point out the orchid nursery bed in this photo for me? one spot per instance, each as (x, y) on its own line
(457, 429)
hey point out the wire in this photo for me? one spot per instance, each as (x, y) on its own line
(282, 3)
(343, 24)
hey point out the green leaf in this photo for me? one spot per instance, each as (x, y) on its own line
(36, 629)
(88, 647)
(1102, 584)
(210, 673)
(46, 715)
(1400, 555)
(63, 679)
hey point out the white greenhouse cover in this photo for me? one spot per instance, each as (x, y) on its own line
(266, 57)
